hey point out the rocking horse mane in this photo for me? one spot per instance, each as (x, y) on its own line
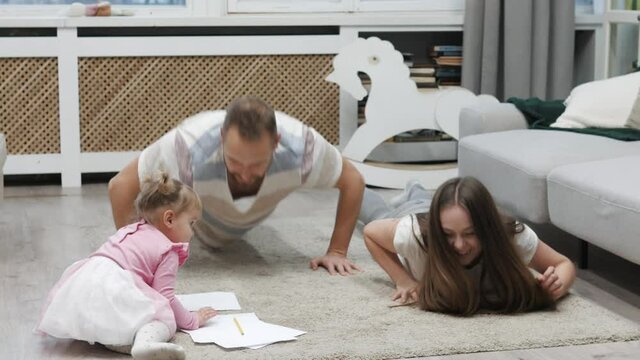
(388, 50)
(389, 57)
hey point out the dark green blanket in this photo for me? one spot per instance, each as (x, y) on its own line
(540, 114)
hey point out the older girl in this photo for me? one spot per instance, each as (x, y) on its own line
(123, 294)
(463, 255)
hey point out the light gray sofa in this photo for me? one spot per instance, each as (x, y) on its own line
(586, 185)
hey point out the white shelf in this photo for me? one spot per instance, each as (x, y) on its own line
(414, 152)
(401, 19)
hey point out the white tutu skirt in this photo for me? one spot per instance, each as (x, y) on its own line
(98, 301)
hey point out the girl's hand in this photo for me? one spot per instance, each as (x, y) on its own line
(550, 281)
(406, 293)
(205, 314)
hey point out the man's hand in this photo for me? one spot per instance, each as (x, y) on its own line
(334, 263)
(406, 293)
(550, 281)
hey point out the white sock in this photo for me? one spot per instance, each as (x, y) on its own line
(151, 342)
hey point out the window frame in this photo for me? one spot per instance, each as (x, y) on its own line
(191, 8)
(288, 6)
(409, 5)
(300, 6)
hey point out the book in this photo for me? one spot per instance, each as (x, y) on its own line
(448, 72)
(445, 53)
(446, 48)
(423, 79)
(449, 60)
(449, 82)
(427, 85)
(416, 71)
(448, 87)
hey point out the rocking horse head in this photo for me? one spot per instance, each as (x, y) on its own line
(371, 56)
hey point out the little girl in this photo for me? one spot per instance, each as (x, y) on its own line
(462, 256)
(123, 294)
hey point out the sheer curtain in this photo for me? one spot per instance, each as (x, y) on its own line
(521, 48)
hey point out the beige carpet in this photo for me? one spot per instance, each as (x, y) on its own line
(348, 317)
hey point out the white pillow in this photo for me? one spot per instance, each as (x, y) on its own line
(604, 103)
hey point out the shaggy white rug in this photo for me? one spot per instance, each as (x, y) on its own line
(348, 317)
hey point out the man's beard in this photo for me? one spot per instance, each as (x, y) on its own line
(256, 180)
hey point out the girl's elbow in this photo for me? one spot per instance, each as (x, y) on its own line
(571, 267)
(368, 233)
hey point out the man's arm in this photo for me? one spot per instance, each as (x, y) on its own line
(351, 186)
(123, 189)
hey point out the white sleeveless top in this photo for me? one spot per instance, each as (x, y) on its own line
(413, 258)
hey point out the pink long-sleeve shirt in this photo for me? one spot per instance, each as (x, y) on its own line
(149, 254)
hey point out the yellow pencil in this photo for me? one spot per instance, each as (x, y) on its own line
(238, 326)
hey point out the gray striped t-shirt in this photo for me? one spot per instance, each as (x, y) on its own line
(192, 153)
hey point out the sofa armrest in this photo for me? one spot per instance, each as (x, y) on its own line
(490, 117)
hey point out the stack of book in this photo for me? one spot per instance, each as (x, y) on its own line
(424, 77)
(449, 64)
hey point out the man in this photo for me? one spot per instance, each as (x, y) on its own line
(242, 163)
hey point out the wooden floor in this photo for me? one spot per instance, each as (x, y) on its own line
(36, 223)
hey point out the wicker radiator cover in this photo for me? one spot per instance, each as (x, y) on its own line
(127, 103)
(29, 115)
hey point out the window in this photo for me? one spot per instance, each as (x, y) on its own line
(139, 7)
(275, 6)
(113, 2)
(409, 5)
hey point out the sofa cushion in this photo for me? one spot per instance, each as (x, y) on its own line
(514, 164)
(603, 103)
(599, 201)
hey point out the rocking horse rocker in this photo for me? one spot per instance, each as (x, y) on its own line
(394, 106)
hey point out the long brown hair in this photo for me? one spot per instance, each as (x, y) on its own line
(447, 286)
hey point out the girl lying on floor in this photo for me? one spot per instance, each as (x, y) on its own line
(462, 255)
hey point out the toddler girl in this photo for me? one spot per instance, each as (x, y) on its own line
(123, 294)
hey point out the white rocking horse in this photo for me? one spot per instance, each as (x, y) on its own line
(394, 106)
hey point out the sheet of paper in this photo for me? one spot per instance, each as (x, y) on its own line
(218, 300)
(293, 332)
(223, 331)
